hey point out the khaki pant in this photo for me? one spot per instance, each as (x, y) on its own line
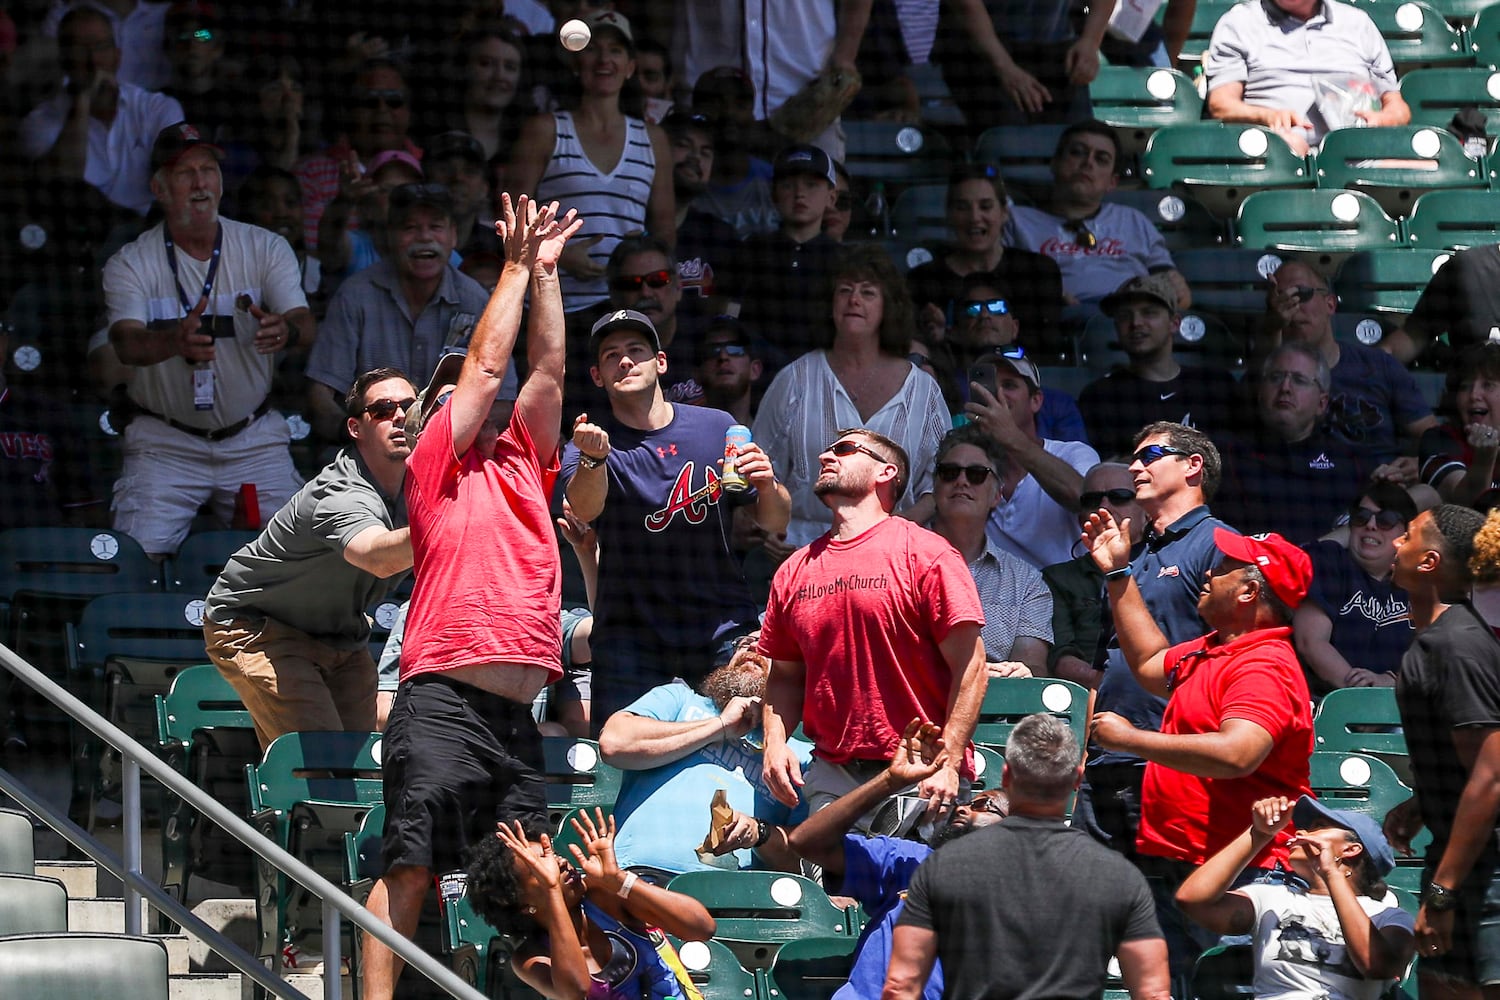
(291, 682)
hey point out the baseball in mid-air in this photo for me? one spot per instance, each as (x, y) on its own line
(575, 35)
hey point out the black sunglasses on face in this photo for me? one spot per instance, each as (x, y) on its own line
(995, 307)
(948, 472)
(714, 351)
(1385, 520)
(372, 99)
(633, 282)
(846, 448)
(1155, 453)
(1303, 293)
(1094, 499)
(385, 409)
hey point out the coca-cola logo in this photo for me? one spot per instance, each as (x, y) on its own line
(1105, 247)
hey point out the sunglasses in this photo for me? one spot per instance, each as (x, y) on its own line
(991, 804)
(633, 282)
(385, 409)
(1304, 293)
(1094, 499)
(1082, 235)
(1385, 520)
(843, 203)
(395, 100)
(948, 472)
(1154, 453)
(745, 642)
(201, 35)
(846, 448)
(715, 351)
(995, 307)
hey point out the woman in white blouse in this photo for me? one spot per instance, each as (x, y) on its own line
(863, 380)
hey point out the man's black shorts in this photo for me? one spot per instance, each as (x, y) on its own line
(457, 761)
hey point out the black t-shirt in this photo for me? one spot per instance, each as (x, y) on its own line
(785, 291)
(1002, 898)
(1118, 405)
(1297, 489)
(1450, 678)
(1462, 299)
(1033, 279)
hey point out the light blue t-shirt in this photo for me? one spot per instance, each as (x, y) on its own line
(663, 813)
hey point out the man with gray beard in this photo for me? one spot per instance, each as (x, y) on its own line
(398, 313)
(677, 747)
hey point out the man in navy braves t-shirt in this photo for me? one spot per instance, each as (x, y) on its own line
(671, 594)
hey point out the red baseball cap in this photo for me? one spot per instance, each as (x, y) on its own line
(1287, 569)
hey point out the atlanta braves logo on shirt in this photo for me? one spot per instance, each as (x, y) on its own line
(692, 505)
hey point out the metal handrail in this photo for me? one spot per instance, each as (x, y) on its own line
(136, 757)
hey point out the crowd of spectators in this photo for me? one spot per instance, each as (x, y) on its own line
(250, 232)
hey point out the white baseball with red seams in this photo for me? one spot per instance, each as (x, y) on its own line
(574, 35)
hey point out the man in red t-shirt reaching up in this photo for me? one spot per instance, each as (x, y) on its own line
(873, 624)
(1238, 723)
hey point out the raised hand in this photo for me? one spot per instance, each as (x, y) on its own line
(543, 867)
(550, 250)
(1268, 816)
(590, 439)
(597, 856)
(920, 753)
(1107, 542)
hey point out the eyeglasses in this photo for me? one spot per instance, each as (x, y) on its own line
(846, 448)
(1297, 379)
(843, 203)
(995, 307)
(1385, 520)
(1094, 499)
(385, 409)
(976, 474)
(713, 351)
(1154, 453)
(1082, 235)
(1304, 293)
(369, 100)
(745, 642)
(633, 282)
(991, 805)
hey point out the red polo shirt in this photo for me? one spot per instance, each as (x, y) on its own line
(1256, 678)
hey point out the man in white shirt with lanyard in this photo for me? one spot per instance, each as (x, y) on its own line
(200, 307)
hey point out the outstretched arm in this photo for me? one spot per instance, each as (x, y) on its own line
(540, 403)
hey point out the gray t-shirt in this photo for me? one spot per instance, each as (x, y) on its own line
(1280, 59)
(295, 571)
(1126, 245)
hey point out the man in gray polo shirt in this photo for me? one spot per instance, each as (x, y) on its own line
(1266, 61)
(400, 312)
(285, 622)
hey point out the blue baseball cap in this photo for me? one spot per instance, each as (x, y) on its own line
(1309, 813)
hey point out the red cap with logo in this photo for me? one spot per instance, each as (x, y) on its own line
(1287, 569)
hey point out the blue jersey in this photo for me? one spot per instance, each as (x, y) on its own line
(877, 871)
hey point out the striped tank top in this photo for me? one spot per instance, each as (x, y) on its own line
(611, 204)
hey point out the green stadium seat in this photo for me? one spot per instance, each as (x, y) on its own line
(205, 733)
(1459, 13)
(1009, 700)
(308, 792)
(32, 904)
(1396, 164)
(1356, 782)
(717, 972)
(920, 215)
(1359, 720)
(1205, 16)
(1386, 281)
(758, 911)
(576, 777)
(201, 558)
(1483, 37)
(1023, 153)
(1328, 223)
(1225, 972)
(1436, 95)
(1219, 164)
(1453, 220)
(1417, 36)
(1182, 221)
(895, 153)
(83, 966)
(988, 763)
(811, 968)
(1136, 101)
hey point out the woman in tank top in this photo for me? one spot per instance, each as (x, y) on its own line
(599, 160)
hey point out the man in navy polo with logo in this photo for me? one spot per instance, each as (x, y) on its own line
(647, 477)
(1176, 471)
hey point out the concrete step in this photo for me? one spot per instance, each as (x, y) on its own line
(96, 914)
(81, 878)
(210, 986)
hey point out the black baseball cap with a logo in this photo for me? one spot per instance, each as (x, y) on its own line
(174, 141)
(621, 319)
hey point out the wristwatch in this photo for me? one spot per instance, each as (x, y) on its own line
(1439, 898)
(589, 461)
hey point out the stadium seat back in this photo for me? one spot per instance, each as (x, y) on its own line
(1221, 164)
(1136, 101)
(1397, 164)
(1454, 220)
